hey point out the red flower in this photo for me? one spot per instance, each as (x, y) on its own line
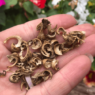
(89, 80)
(39, 3)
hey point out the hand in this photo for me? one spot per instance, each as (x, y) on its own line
(73, 65)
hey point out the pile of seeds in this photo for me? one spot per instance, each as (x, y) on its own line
(48, 48)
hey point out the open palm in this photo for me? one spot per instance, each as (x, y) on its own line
(73, 65)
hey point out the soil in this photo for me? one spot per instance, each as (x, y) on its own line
(82, 89)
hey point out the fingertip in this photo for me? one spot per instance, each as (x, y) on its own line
(90, 57)
(63, 20)
(86, 60)
(88, 28)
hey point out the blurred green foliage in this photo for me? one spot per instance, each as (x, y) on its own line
(93, 65)
(14, 13)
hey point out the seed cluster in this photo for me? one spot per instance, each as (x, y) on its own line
(48, 48)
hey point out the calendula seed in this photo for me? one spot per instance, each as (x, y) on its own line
(48, 48)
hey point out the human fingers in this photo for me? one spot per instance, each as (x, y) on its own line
(65, 79)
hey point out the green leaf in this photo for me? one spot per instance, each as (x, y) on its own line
(91, 17)
(32, 17)
(93, 1)
(2, 16)
(9, 22)
(51, 12)
(64, 7)
(20, 18)
(2, 8)
(50, 4)
(28, 6)
(93, 65)
(9, 3)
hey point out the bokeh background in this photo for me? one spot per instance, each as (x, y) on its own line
(16, 12)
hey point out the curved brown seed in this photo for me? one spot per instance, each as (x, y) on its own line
(57, 50)
(35, 43)
(47, 63)
(15, 47)
(14, 78)
(61, 29)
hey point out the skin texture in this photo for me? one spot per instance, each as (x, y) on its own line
(73, 65)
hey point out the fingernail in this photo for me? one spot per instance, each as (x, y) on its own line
(90, 57)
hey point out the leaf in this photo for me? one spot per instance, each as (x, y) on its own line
(2, 8)
(93, 65)
(9, 3)
(93, 1)
(91, 17)
(9, 23)
(20, 18)
(64, 7)
(51, 12)
(50, 4)
(32, 17)
(28, 6)
(36, 9)
(2, 16)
